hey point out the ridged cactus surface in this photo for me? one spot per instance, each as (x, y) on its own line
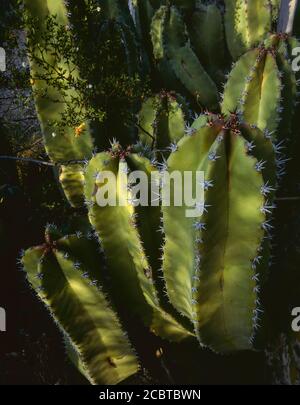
(70, 289)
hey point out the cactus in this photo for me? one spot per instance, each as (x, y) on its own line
(63, 143)
(207, 22)
(201, 276)
(247, 23)
(161, 121)
(119, 234)
(69, 288)
(263, 87)
(186, 278)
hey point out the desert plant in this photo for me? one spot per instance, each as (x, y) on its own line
(186, 278)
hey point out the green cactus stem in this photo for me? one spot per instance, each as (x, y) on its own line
(75, 300)
(117, 229)
(247, 22)
(263, 87)
(161, 121)
(206, 30)
(204, 264)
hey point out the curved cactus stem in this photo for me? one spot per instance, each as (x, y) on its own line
(185, 63)
(179, 253)
(237, 80)
(83, 313)
(247, 23)
(74, 357)
(51, 103)
(255, 89)
(225, 317)
(148, 217)
(233, 18)
(117, 235)
(144, 12)
(261, 103)
(157, 32)
(127, 262)
(71, 178)
(30, 261)
(207, 37)
(147, 117)
(204, 264)
(148, 222)
(259, 20)
(161, 121)
(158, 39)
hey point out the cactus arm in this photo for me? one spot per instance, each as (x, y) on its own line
(60, 146)
(147, 117)
(115, 230)
(256, 94)
(247, 22)
(127, 262)
(259, 20)
(144, 14)
(158, 38)
(74, 357)
(225, 293)
(262, 95)
(185, 63)
(234, 40)
(166, 323)
(148, 218)
(96, 333)
(30, 262)
(72, 179)
(179, 255)
(102, 352)
(207, 23)
(162, 118)
(157, 32)
(176, 121)
(237, 81)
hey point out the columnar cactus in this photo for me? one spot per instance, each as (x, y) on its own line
(204, 264)
(263, 87)
(65, 274)
(185, 277)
